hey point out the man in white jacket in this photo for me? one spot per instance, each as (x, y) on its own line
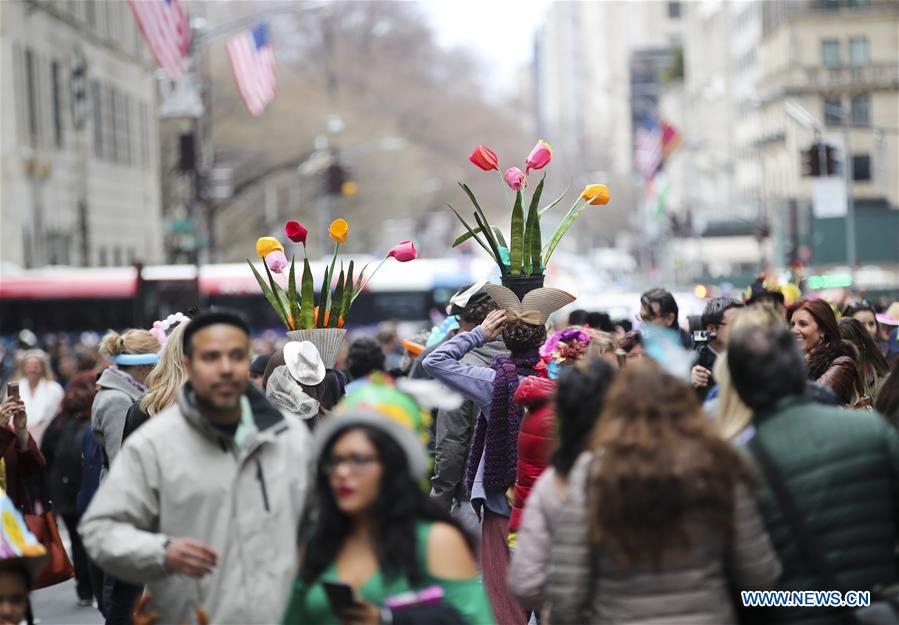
(204, 501)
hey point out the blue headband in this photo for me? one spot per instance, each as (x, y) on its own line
(136, 359)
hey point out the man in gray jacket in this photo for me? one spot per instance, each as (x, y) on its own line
(454, 427)
(204, 500)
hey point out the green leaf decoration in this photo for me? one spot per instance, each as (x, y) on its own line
(337, 306)
(532, 230)
(497, 233)
(464, 237)
(323, 299)
(573, 213)
(555, 201)
(499, 237)
(359, 284)
(327, 301)
(280, 295)
(295, 314)
(307, 309)
(491, 242)
(267, 291)
(516, 250)
(485, 229)
(472, 234)
(347, 292)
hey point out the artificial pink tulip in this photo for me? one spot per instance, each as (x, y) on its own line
(485, 158)
(404, 252)
(276, 261)
(539, 157)
(296, 232)
(515, 178)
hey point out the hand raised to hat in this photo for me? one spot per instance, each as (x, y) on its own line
(492, 326)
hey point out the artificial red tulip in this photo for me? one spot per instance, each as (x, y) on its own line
(296, 232)
(485, 158)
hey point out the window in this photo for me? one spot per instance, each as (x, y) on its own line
(861, 167)
(31, 87)
(97, 105)
(857, 4)
(124, 128)
(673, 9)
(858, 51)
(144, 136)
(109, 124)
(102, 257)
(57, 104)
(90, 13)
(860, 111)
(830, 52)
(833, 111)
(117, 256)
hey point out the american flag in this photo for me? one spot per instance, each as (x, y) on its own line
(165, 25)
(253, 62)
(648, 146)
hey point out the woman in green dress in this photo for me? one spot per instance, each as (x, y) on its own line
(377, 530)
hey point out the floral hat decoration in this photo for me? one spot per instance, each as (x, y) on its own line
(523, 253)
(17, 544)
(563, 347)
(295, 303)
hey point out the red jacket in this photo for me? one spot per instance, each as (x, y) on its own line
(20, 466)
(536, 439)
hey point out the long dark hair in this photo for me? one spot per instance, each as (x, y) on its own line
(579, 400)
(869, 354)
(887, 402)
(661, 462)
(400, 504)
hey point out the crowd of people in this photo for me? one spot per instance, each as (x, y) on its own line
(501, 467)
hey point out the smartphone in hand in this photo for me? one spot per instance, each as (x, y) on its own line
(12, 390)
(340, 595)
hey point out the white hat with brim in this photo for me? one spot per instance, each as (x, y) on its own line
(304, 362)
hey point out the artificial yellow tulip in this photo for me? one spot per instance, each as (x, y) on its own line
(338, 230)
(267, 245)
(596, 194)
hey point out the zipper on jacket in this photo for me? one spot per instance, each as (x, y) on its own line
(261, 477)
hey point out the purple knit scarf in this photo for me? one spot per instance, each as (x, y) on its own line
(498, 437)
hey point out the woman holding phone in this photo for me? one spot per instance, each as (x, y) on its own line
(20, 457)
(378, 536)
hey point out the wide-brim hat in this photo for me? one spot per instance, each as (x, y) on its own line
(304, 362)
(467, 297)
(535, 308)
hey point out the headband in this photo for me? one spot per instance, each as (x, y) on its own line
(136, 359)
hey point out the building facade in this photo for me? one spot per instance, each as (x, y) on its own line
(838, 60)
(80, 158)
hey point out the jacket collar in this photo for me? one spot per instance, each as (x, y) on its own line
(781, 406)
(265, 416)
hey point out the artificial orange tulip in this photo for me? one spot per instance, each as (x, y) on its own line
(338, 230)
(596, 194)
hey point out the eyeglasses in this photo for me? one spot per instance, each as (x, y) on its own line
(646, 318)
(357, 463)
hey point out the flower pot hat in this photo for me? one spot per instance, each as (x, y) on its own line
(522, 257)
(536, 306)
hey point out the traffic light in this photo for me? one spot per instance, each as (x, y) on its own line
(834, 166)
(335, 177)
(811, 160)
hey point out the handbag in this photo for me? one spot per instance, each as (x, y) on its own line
(884, 606)
(58, 567)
